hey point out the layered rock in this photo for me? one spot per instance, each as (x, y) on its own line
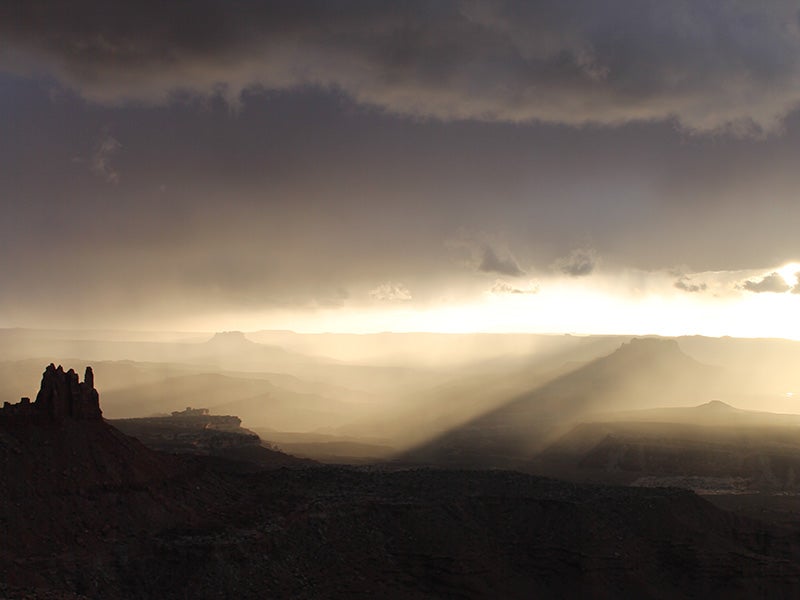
(61, 395)
(190, 431)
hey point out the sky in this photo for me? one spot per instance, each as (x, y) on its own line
(624, 166)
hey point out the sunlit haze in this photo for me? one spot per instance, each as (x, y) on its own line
(605, 305)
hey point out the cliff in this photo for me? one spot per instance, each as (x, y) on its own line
(61, 395)
(194, 431)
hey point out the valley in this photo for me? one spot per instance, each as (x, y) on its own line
(588, 468)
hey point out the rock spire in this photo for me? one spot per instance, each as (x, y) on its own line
(61, 395)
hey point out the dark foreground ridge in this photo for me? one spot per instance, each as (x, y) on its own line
(86, 511)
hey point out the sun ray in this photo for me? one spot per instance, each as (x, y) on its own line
(790, 272)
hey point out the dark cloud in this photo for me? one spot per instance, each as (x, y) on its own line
(772, 283)
(709, 64)
(579, 263)
(686, 284)
(491, 263)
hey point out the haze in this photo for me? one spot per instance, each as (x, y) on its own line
(311, 175)
(493, 400)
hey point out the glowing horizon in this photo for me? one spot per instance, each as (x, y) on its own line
(568, 307)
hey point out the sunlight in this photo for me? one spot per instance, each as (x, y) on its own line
(789, 273)
(566, 307)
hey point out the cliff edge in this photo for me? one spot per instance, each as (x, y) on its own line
(61, 394)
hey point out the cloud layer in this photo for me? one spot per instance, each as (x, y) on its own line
(709, 64)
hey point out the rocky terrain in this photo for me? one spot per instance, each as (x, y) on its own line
(712, 448)
(330, 449)
(86, 511)
(195, 431)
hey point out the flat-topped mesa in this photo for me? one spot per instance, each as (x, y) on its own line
(61, 395)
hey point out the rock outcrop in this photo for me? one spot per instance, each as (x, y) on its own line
(231, 340)
(194, 431)
(61, 395)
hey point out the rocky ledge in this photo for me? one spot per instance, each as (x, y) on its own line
(61, 395)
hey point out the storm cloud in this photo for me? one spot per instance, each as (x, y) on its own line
(709, 65)
(185, 163)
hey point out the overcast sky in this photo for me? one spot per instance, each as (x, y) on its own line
(223, 164)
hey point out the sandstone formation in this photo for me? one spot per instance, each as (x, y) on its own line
(61, 395)
(195, 431)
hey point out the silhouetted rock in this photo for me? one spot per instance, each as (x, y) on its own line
(195, 431)
(717, 406)
(191, 412)
(230, 340)
(61, 395)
